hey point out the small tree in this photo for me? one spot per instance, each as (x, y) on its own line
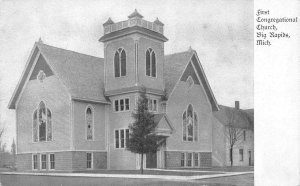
(233, 133)
(142, 131)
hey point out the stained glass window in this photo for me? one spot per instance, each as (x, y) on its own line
(89, 124)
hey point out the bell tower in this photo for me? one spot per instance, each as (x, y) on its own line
(134, 55)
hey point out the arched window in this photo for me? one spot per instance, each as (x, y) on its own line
(89, 123)
(42, 125)
(120, 63)
(190, 125)
(150, 63)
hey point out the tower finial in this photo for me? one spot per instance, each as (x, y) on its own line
(135, 14)
(108, 22)
(190, 49)
(40, 40)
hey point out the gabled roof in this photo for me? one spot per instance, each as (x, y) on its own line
(241, 118)
(175, 65)
(167, 128)
(83, 75)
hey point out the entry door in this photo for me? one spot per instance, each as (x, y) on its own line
(151, 160)
(249, 152)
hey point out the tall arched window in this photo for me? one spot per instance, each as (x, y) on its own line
(190, 125)
(89, 123)
(42, 125)
(120, 62)
(150, 63)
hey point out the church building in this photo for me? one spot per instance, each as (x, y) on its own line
(73, 110)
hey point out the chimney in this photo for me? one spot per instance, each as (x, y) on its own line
(237, 105)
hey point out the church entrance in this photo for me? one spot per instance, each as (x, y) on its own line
(151, 160)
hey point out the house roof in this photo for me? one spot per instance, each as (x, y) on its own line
(173, 67)
(241, 118)
(83, 75)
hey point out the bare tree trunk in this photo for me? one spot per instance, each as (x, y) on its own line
(231, 156)
(142, 163)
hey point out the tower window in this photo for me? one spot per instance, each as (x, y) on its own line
(120, 63)
(150, 63)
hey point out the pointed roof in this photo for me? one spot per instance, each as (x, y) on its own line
(164, 125)
(158, 22)
(135, 14)
(108, 22)
(175, 65)
(83, 75)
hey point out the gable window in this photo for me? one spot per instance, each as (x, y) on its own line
(190, 125)
(35, 162)
(122, 105)
(89, 123)
(121, 138)
(89, 159)
(42, 124)
(43, 161)
(120, 63)
(150, 63)
(52, 161)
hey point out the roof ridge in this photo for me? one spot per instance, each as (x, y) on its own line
(177, 53)
(68, 50)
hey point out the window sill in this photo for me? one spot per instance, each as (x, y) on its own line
(42, 142)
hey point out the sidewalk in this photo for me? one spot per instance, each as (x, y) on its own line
(132, 176)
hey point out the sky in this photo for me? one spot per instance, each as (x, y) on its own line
(221, 32)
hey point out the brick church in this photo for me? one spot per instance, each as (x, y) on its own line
(73, 110)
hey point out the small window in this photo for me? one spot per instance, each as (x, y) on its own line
(122, 139)
(43, 161)
(117, 138)
(154, 105)
(127, 137)
(244, 134)
(121, 104)
(189, 159)
(196, 159)
(35, 162)
(52, 161)
(89, 160)
(126, 104)
(117, 105)
(241, 152)
(182, 159)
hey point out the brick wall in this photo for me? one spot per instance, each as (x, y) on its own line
(172, 159)
(99, 160)
(24, 162)
(205, 159)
